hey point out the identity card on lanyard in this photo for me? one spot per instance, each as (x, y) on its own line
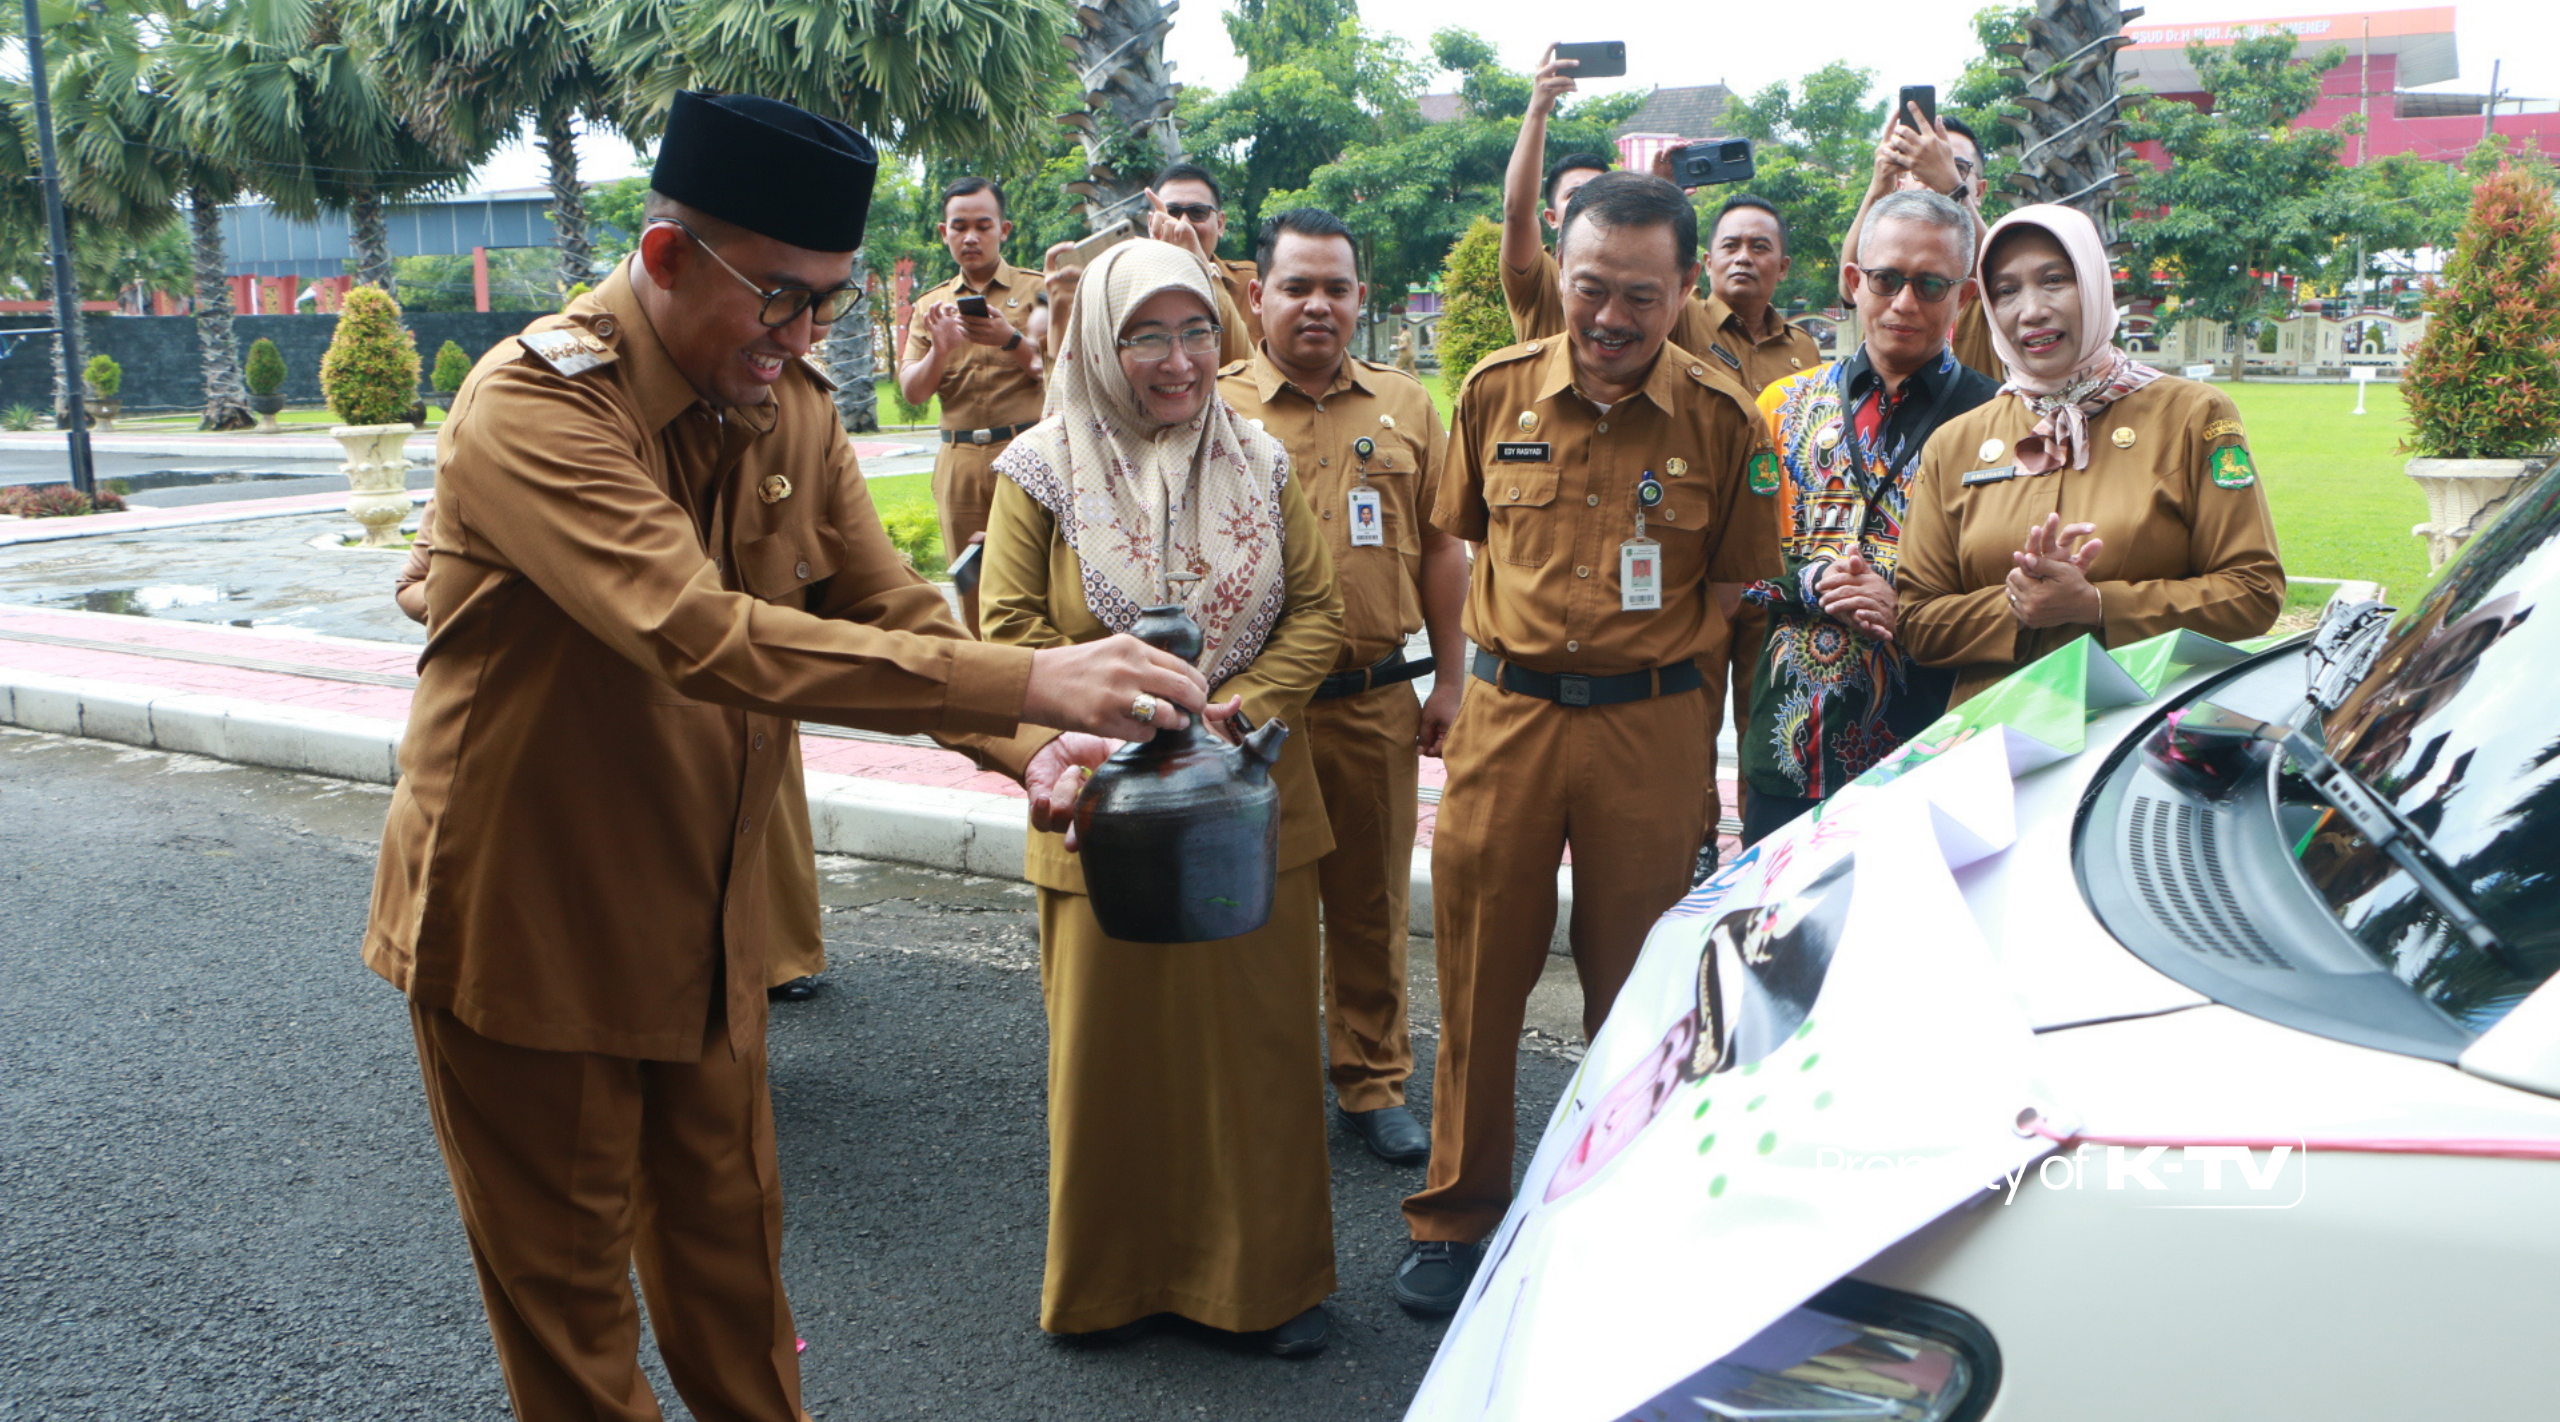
(1368, 522)
(1640, 557)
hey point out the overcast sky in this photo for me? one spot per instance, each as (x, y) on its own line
(1751, 46)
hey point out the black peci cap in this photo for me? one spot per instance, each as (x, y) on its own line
(773, 168)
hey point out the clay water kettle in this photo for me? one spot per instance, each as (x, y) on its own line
(1180, 835)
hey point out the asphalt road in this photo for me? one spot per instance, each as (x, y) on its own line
(220, 1198)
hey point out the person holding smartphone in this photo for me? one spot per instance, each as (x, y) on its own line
(968, 345)
(1924, 150)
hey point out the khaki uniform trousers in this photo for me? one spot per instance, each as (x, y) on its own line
(1369, 770)
(569, 1167)
(1625, 786)
(1728, 666)
(964, 486)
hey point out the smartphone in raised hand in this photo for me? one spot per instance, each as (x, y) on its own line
(1600, 59)
(1926, 96)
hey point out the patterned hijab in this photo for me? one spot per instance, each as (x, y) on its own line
(1134, 498)
(2100, 376)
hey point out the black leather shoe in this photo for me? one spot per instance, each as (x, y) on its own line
(1303, 1336)
(1705, 868)
(796, 990)
(1391, 1134)
(1435, 1273)
(1129, 1332)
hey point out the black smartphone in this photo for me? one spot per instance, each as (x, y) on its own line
(1718, 160)
(964, 569)
(1925, 95)
(973, 306)
(1600, 59)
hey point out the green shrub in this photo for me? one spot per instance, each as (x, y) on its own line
(54, 501)
(264, 372)
(909, 412)
(20, 417)
(104, 375)
(451, 366)
(1474, 320)
(918, 534)
(2484, 381)
(370, 373)
(576, 290)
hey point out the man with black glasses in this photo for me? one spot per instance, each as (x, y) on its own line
(1943, 158)
(1833, 692)
(968, 346)
(1190, 212)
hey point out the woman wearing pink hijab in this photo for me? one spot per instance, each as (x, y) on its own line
(2096, 495)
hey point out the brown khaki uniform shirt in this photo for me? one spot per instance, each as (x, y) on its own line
(1033, 596)
(1382, 582)
(1547, 483)
(983, 388)
(2175, 496)
(1708, 327)
(633, 599)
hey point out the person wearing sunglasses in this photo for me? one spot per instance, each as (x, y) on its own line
(1189, 212)
(1834, 690)
(981, 360)
(1942, 157)
(654, 556)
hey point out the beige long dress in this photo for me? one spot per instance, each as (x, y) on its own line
(1187, 1164)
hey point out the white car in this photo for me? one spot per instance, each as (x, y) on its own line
(2288, 1145)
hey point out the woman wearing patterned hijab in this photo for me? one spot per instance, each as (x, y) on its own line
(2104, 499)
(1187, 1154)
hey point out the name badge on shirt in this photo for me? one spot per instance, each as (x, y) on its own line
(1367, 522)
(1639, 575)
(1991, 476)
(1535, 451)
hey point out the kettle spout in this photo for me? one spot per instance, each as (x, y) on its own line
(1262, 744)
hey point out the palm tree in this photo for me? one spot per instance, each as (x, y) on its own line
(925, 78)
(2068, 134)
(1128, 92)
(465, 73)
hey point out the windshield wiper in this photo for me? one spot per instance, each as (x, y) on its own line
(2204, 750)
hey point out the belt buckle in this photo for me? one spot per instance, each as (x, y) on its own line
(1573, 690)
(982, 437)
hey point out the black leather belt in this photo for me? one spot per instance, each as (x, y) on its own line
(985, 436)
(1388, 671)
(1569, 690)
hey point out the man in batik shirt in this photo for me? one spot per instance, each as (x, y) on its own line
(1834, 691)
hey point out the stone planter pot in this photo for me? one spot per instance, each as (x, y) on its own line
(267, 408)
(377, 470)
(2461, 493)
(102, 411)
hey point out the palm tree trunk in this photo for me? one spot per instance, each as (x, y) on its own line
(2067, 131)
(370, 235)
(849, 360)
(226, 398)
(1127, 121)
(568, 202)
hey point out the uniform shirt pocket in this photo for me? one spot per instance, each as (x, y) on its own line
(1522, 527)
(781, 566)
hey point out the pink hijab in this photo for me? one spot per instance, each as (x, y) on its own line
(2100, 373)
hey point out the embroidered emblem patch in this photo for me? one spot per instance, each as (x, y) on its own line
(2232, 467)
(2220, 429)
(568, 352)
(1764, 473)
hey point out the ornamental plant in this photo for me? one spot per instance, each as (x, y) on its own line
(1474, 319)
(2484, 381)
(451, 366)
(370, 372)
(264, 372)
(104, 375)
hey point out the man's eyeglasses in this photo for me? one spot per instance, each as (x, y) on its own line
(1190, 211)
(1158, 345)
(1889, 283)
(783, 304)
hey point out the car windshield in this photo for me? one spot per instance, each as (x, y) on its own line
(2458, 725)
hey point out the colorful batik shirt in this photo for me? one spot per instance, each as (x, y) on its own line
(1827, 701)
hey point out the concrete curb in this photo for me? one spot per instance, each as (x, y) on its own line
(960, 831)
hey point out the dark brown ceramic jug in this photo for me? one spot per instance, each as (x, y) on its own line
(1180, 835)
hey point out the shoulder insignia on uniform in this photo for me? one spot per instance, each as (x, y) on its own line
(818, 372)
(1764, 472)
(568, 350)
(2232, 468)
(2224, 429)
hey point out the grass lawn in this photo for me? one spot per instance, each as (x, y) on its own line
(905, 502)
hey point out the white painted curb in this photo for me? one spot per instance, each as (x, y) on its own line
(961, 831)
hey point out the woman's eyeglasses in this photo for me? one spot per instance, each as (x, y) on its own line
(1889, 284)
(1158, 345)
(783, 304)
